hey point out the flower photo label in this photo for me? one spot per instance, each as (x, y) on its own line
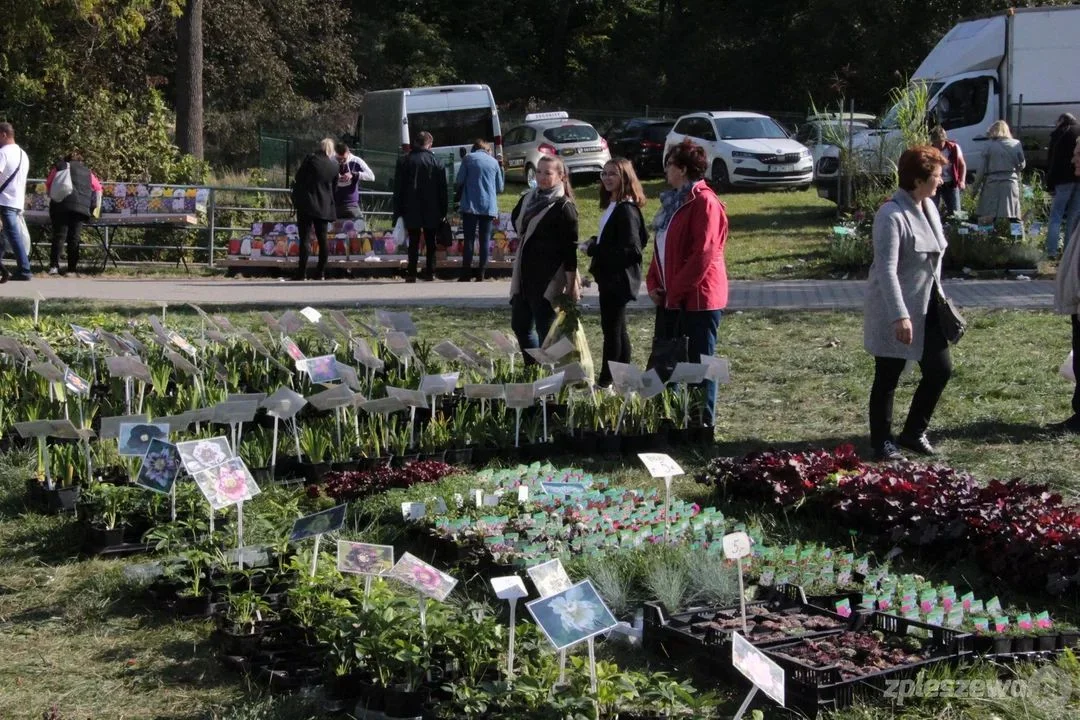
(134, 439)
(425, 578)
(550, 578)
(226, 484)
(364, 558)
(572, 616)
(199, 455)
(160, 466)
(318, 523)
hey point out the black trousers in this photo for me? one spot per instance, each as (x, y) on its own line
(936, 367)
(66, 225)
(414, 249)
(1076, 362)
(616, 337)
(304, 223)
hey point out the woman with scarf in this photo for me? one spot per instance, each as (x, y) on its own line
(546, 221)
(687, 278)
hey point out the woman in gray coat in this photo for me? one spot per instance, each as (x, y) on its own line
(1000, 178)
(900, 321)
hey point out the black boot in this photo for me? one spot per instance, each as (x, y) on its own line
(466, 274)
(481, 273)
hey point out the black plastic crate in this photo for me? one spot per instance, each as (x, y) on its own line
(684, 633)
(811, 689)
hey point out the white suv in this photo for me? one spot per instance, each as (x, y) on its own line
(745, 149)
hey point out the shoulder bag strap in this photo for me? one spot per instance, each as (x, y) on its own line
(14, 173)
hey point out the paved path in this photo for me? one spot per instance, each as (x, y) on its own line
(745, 295)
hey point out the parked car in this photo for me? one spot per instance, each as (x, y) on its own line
(641, 141)
(553, 133)
(820, 132)
(745, 149)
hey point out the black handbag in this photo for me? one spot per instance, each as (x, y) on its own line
(445, 236)
(952, 323)
(667, 352)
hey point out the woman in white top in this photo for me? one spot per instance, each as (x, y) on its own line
(616, 257)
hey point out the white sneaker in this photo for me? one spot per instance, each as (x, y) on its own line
(54, 271)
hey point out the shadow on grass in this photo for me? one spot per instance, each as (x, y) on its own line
(994, 431)
(796, 217)
(50, 539)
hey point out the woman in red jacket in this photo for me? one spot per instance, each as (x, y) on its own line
(687, 279)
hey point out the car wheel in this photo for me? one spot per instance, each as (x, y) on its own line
(530, 175)
(720, 176)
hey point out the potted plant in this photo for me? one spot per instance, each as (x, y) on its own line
(460, 449)
(400, 436)
(256, 451)
(66, 464)
(194, 598)
(242, 628)
(315, 445)
(434, 439)
(108, 504)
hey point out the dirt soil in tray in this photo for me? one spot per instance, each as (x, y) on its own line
(856, 654)
(773, 626)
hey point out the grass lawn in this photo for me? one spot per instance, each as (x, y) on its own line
(75, 635)
(773, 234)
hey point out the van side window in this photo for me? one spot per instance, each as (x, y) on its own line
(963, 103)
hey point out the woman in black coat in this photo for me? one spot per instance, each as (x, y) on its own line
(546, 267)
(313, 198)
(616, 257)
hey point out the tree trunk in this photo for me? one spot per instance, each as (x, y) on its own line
(189, 79)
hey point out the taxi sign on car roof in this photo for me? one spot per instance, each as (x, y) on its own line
(560, 115)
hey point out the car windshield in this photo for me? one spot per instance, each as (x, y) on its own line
(657, 133)
(749, 128)
(891, 119)
(571, 133)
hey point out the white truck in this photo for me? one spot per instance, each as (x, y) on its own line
(1019, 66)
(455, 115)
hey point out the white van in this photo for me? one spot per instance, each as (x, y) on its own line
(455, 115)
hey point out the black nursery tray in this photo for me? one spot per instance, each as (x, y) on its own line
(693, 631)
(810, 689)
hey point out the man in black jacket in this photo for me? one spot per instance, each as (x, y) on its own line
(420, 200)
(313, 198)
(1061, 181)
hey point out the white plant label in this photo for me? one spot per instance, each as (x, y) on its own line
(736, 545)
(660, 465)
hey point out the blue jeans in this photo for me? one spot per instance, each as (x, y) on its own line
(524, 315)
(699, 327)
(471, 226)
(1066, 207)
(13, 232)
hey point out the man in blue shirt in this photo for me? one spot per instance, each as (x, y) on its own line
(479, 183)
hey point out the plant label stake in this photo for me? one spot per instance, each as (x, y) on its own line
(239, 529)
(592, 664)
(544, 387)
(736, 547)
(687, 374)
(518, 397)
(315, 555)
(283, 404)
(759, 669)
(172, 503)
(510, 588)
(661, 465)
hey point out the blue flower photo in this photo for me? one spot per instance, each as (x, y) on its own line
(160, 465)
(571, 616)
(134, 438)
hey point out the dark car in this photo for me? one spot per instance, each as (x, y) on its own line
(641, 141)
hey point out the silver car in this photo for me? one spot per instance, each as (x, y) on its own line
(553, 133)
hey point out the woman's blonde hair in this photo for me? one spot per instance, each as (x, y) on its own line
(999, 129)
(564, 177)
(327, 145)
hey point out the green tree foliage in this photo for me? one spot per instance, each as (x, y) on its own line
(304, 64)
